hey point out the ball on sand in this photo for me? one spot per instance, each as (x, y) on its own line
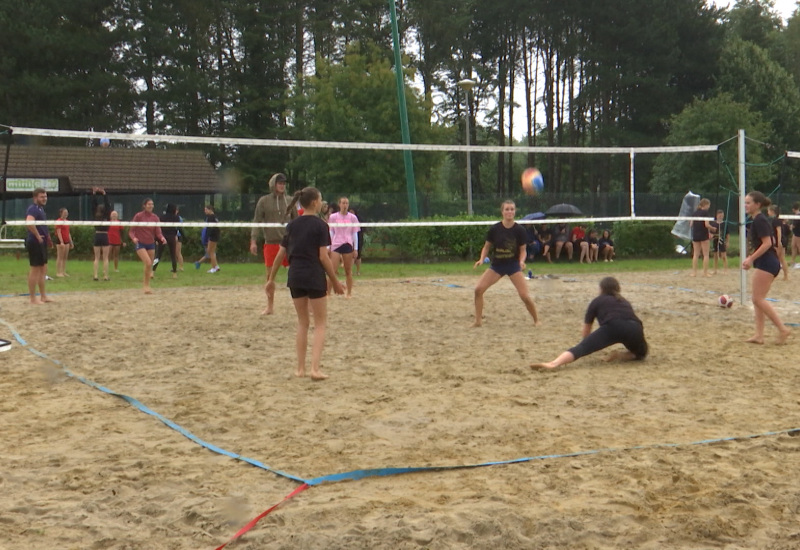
(105, 142)
(532, 181)
(725, 301)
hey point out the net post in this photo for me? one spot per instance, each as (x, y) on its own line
(9, 133)
(742, 217)
(633, 183)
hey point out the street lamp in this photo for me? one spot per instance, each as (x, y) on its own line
(467, 85)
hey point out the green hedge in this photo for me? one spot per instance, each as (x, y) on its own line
(643, 239)
(429, 243)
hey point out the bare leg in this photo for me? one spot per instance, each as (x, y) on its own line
(179, 254)
(301, 337)
(563, 359)
(762, 281)
(488, 278)
(518, 281)
(105, 252)
(96, 264)
(347, 259)
(704, 247)
(212, 254)
(695, 256)
(319, 307)
(34, 279)
(147, 259)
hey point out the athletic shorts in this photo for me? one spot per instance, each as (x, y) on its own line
(140, 246)
(271, 252)
(346, 248)
(37, 253)
(506, 269)
(719, 246)
(101, 238)
(307, 293)
(66, 243)
(769, 263)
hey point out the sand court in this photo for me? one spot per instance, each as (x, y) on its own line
(411, 385)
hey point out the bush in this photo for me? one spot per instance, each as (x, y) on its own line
(643, 239)
(434, 242)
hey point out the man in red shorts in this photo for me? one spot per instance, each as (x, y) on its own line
(272, 208)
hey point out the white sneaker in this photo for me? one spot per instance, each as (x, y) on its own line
(797, 266)
(214, 269)
(5, 345)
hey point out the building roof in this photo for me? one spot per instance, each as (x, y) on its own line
(117, 169)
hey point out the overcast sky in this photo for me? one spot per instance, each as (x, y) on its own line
(784, 7)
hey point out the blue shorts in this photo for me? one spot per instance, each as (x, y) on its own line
(769, 263)
(140, 246)
(506, 269)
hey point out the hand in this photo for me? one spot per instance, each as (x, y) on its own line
(338, 288)
(522, 265)
(747, 263)
(253, 248)
(479, 262)
(71, 246)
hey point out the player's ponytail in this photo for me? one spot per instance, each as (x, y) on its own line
(759, 198)
(293, 203)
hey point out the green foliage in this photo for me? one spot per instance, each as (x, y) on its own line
(643, 239)
(713, 120)
(430, 243)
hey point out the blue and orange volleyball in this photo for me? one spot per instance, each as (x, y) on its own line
(532, 181)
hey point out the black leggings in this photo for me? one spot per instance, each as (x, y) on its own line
(172, 244)
(620, 331)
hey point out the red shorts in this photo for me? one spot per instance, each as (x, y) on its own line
(270, 252)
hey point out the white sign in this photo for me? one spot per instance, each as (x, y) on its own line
(27, 185)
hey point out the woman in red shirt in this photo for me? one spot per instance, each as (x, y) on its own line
(63, 244)
(144, 239)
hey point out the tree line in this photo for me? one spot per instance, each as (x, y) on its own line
(606, 73)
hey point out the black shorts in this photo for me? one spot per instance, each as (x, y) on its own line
(506, 268)
(719, 246)
(769, 263)
(101, 238)
(311, 294)
(37, 253)
(346, 248)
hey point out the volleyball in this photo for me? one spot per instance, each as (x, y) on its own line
(105, 142)
(725, 301)
(532, 182)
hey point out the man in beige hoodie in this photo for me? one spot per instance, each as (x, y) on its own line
(272, 208)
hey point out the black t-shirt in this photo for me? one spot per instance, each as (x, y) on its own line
(699, 229)
(759, 229)
(506, 242)
(796, 228)
(172, 230)
(305, 235)
(212, 232)
(606, 308)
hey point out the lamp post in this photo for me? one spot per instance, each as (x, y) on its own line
(467, 85)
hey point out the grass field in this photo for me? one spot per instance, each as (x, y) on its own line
(14, 273)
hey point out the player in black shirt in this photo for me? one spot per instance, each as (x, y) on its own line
(508, 241)
(767, 266)
(618, 325)
(306, 244)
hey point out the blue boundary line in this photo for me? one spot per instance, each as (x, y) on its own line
(354, 475)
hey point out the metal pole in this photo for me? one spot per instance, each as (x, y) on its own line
(469, 166)
(9, 141)
(401, 99)
(742, 217)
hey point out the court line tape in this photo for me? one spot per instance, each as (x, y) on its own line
(147, 410)
(355, 475)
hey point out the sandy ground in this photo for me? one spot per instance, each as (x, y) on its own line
(410, 385)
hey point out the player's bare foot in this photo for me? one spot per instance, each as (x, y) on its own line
(783, 336)
(542, 366)
(300, 373)
(148, 290)
(318, 376)
(755, 340)
(37, 302)
(267, 311)
(476, 324)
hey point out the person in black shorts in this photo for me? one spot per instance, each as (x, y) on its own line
(767, 266)
(306, 243)
(618, 325)
(509, 241)
(700, 237)
(781, 237)
(36, 242)
(101, 212)
(719, 241)
(795, 242)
